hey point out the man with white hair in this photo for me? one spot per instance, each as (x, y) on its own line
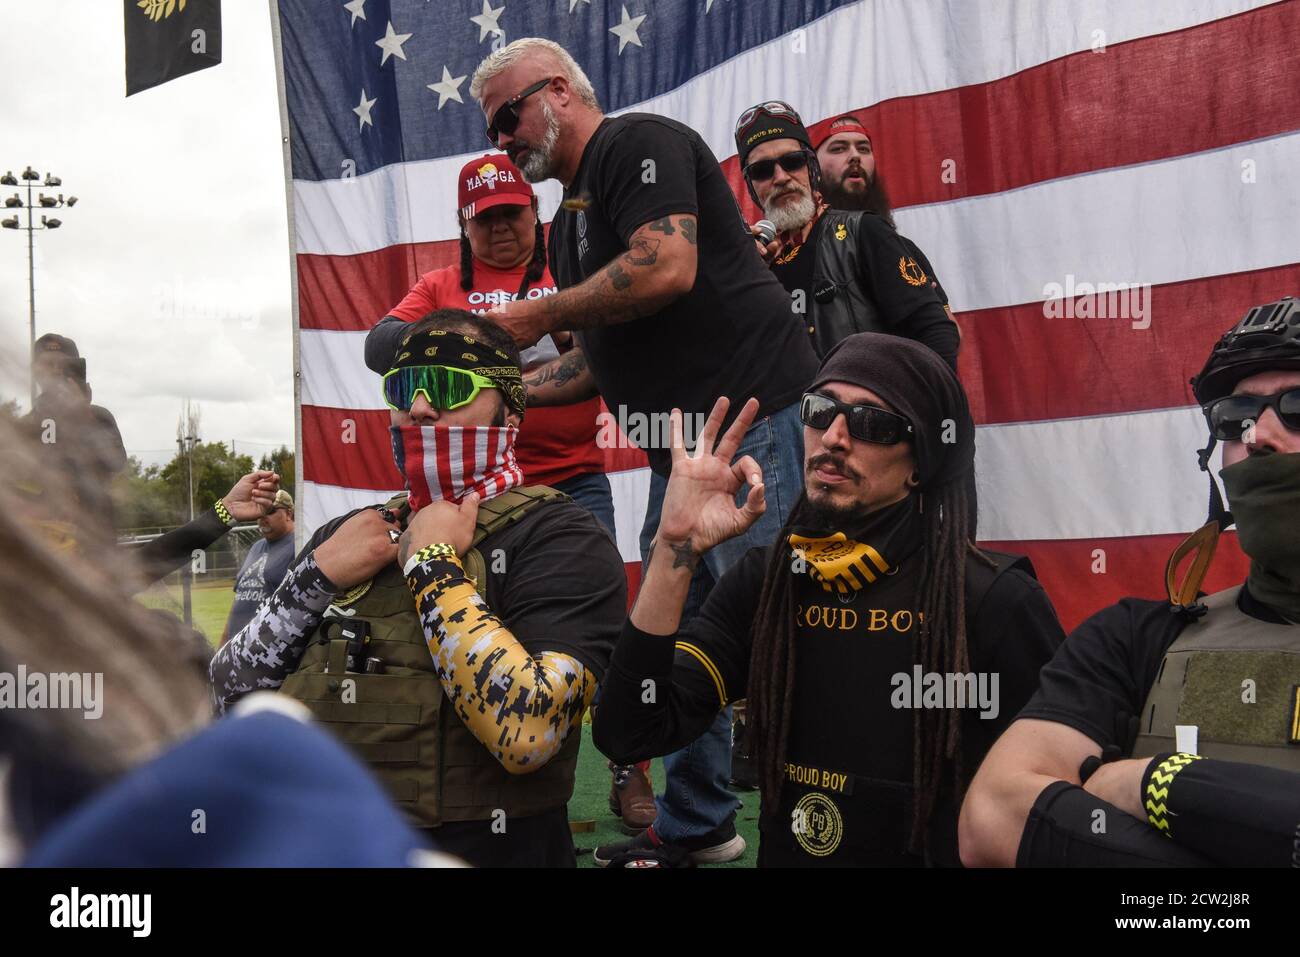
(852, 271)
(672, 306)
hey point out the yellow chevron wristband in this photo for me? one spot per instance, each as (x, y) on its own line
(1157, 789)
(223, 513)
(438, 550)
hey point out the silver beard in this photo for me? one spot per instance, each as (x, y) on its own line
(788, 216)
(541, 158)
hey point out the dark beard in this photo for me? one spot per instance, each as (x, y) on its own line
(873, 199)
(828, 518)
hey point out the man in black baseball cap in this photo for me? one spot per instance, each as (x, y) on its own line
(1180, 718)
(861, 752)
(846, 271)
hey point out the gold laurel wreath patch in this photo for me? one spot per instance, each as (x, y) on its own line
(822, 826)
(911, 272)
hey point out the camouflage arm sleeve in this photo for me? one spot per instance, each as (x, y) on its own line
(269, 646)
(520, 707)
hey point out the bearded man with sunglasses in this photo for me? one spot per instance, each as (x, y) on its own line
(850, 632)
(1176, 723)
(846, 271)
(671, 306)
(455, 635)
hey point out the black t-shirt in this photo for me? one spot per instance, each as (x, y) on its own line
(733, 334)
(915, 252)
(892, 273)
(556, 580)
(1100, 678)
(796, 267)
(844, 721)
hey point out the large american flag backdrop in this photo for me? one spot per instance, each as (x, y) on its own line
(1027, 145)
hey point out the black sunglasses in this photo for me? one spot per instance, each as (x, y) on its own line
(1232, 416)
(506, 118)
(867, 423)
(762, 170)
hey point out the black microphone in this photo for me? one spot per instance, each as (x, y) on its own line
(766, 231)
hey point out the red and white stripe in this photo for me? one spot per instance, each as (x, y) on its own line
(450, 461)
(1022, 143)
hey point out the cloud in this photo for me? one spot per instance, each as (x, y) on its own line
(173, 270)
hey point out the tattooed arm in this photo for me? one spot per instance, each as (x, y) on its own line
(658, 268)
(520, 707)
(564, 380)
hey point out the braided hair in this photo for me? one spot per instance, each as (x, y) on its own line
(947, 514)
(536, 264)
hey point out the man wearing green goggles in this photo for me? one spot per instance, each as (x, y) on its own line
(432, 602)
(443, 387)
(450, 370)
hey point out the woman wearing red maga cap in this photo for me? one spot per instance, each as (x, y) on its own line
(503, 257)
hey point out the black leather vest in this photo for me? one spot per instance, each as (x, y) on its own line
(838, 305)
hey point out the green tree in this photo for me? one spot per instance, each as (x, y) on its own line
(143, 500)
(216, 469)
(281, 461)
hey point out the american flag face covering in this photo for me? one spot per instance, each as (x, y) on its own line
(450, 461)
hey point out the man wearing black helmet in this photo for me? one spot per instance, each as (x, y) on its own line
(1166, 732)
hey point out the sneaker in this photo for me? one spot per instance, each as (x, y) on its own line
(719, 846)
(632, 798)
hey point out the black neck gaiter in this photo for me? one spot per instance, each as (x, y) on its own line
(1264, 496)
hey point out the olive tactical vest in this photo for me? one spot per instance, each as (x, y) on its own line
(1235, 678)
(840, 306)
(398, 720)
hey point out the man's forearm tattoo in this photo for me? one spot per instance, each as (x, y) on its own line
(684, 555)
(607, 297)
(619, 278)
(560, 371)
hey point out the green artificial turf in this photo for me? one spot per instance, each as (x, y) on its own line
(591, 802)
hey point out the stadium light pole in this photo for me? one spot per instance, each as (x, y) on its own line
(15, 202)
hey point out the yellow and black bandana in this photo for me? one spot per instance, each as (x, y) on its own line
(836, 563)
(437, 347)
(845, 562)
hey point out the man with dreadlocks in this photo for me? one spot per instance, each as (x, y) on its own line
(880, 651)
(503, 257)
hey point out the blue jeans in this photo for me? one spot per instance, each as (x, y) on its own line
(695, 799)
(592, 492)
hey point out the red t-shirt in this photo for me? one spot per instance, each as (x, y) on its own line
(555, 442)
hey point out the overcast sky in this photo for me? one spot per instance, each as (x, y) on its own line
(172, 271)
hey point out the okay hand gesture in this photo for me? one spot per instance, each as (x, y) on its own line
(700, 502)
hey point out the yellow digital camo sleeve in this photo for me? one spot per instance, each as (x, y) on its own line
(521, 707)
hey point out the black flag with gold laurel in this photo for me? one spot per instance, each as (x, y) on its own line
(169, 38)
